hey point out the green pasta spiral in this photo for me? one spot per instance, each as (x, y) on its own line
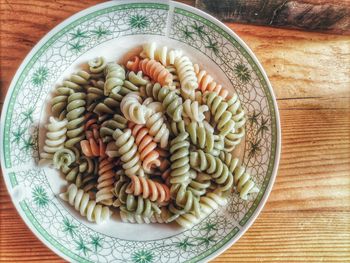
(204, 162)
(140, 206)
(127, 149)
(119, 191)
(218, 109)
(94, 94)
(97, 67)
(76, 119)
(59, 102)
(115, 76)
(109, 126)
(77, 81)
(171, 102)
(83, 173)
(180, 167)
(200, 184)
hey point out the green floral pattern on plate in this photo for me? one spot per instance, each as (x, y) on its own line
(50, 217)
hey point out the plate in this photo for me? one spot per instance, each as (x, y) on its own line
(113, 29)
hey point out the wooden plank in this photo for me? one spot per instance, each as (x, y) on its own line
(314, 15)
(307, 217)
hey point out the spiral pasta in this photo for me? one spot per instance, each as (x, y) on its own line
(82, 173)
(97, 67)
(94, 94)
(171, 102)
(132, 217)
(194, 111)
(158, 129)
(149, 189)
(140, 206)
(155, 71)
(119, 190)
(210, 202)
(146, 147)
(55, 138)
(115, 76)
(180, 167)
(176, 80)
(76, 119)
(185, 201)
(204, 162)
(106, 178)
(137, 78)
(242, 180)
(93, 146)
(187, 76)
(218, 109)
(59, 102)
(109, 126)
(87, 208)
(127, 149)
(151, 138)
(207, 83)
(161, 54)
(199, 185)
(133, 110)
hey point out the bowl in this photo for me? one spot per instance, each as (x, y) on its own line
(116, 30)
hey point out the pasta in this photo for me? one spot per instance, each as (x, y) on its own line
(186, 74)
(243, 183)
(109, 126)
(151, 139)
(161, 54)
(59, 102)
(193, 111)
(218, 109)
(148, 189)
(156, 71)
(146, 147)
(105, 181)
(205, 162)
(75, 117)
(133, 110)
(171, 102)
(127, 149)
(56, 136)
(207, 83)
(115, 76)
(97, 67)
(82, 203)
(94, 94)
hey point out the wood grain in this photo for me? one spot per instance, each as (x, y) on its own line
(314, 15)
(307, 217)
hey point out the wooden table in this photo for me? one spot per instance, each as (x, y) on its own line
(307, 217)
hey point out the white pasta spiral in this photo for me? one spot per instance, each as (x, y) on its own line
(194, 111)
(82, 203)
(161, 54)
(187, 76)
(55, 138)
(133, 110)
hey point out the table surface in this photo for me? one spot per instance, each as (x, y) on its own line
(307, 216)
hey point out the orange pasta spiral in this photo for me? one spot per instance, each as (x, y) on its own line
(93, 146)
(133, 63)
(148, 188)
(105, 181)
(146, 146)
(207, 83)
(156, 71)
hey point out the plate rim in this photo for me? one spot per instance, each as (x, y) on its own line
(171, 4)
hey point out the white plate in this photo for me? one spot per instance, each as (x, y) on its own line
(112, 30)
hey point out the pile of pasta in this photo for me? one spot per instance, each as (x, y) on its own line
(151, 139)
